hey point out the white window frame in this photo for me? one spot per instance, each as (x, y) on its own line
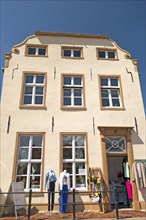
(72, 52)
(29, 161)
(73, 87)
(36, 51)
(74, 161)
(109, 89)
(34, 85)
(106, 54)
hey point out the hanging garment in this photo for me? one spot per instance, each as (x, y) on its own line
(64, 179)
(126, 170)
(50, 179)
(51, 196)
(64, 183)
(129, 189)
(63, 198)
(138, 174)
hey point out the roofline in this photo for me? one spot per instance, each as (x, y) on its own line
(61, 34)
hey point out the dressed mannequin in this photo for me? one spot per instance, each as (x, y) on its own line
(64, 185)
(50, 179)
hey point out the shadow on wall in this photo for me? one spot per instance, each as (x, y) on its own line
(78, 200)
(143, 193)
(2, 200)
(74, 41)
(135, 138)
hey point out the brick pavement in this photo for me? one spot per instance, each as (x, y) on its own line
(123, 214)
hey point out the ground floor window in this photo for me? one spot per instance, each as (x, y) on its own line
(29, 161)
(74, 159)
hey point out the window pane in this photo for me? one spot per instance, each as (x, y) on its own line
(105, 102)
(78, 101)
(104, 93)
(31, 50)
(39, 90)
(35, 168)
(40, 79)
(77, 81)
(80, 168)
(37, 141)
(35, 182)
(29, 79)
(67, 80)
(68, 167)
(24, 141)
(38, 100)
(42, 51)
(28, 90)
(79, 140)
(104, 82)
(67, 53)
(115, 144)
(111, 54)
(67, 101)
(67, 92)
(22, 168)
(115, 93)
(67, 141)
(114, 82)
(23, 153)
(80, 181)
(67, 153)
(101, 54)
(36, 153)
(27, 99)
(80, 153)
(77, 53)
(77, 92)
(115, 102)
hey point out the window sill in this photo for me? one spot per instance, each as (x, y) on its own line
(73, 58)
(74, 108)
(27, 55)
(112, 59)
(32, 107)
(35, 194)
(114, 109)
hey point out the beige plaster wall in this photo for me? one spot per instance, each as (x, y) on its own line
(25, 120)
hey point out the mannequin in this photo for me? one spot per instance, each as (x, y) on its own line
(64, 185)
(50, 179)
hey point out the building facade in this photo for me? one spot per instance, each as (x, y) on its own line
(70, 102)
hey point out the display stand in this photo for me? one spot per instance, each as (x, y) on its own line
(18, 196)
(96, 188)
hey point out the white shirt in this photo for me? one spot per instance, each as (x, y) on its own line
(64, 179)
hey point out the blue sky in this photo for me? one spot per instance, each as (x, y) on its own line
(121, 20)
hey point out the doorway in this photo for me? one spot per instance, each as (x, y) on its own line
(118, 179)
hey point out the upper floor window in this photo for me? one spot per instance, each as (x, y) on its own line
(34, 50)
(33, 89)
(72, 91)
(111, 95)
(106, 54)
(72, 52)
(74, 159)
(29, 161)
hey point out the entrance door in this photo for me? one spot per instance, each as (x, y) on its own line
(118, 180)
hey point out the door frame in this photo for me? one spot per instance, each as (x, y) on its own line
(124, 132)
